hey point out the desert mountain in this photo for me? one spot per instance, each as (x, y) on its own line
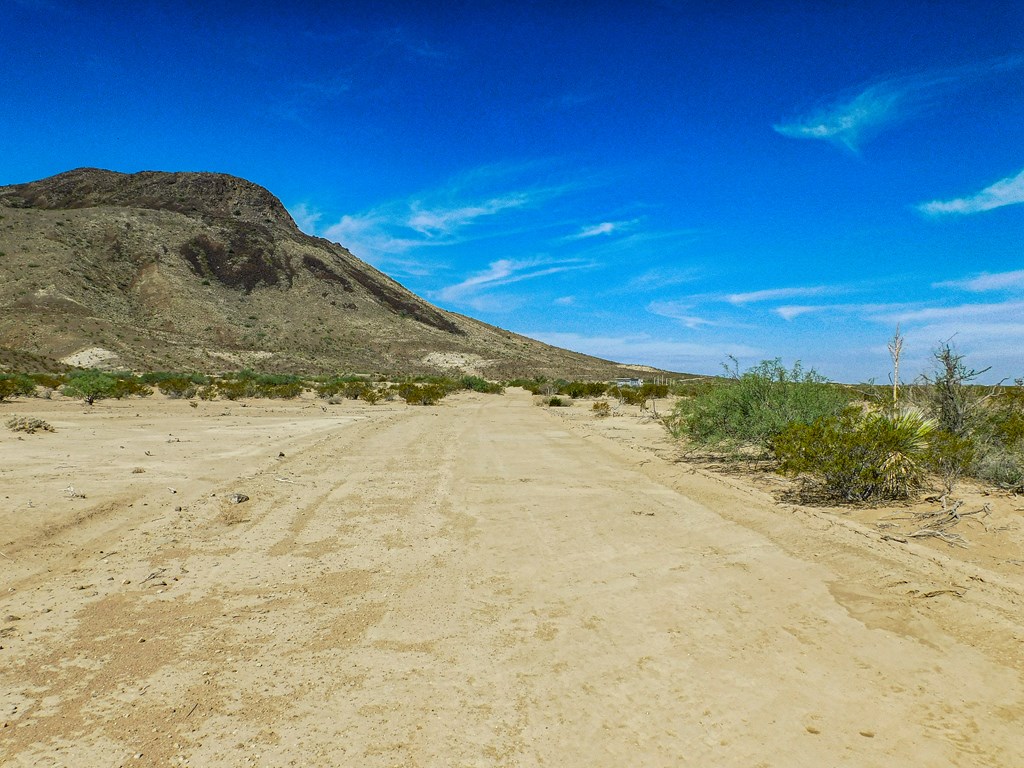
(208, 272)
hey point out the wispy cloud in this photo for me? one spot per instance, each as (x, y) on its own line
(995, 281)
(664, 353)
(604, 228)
(790, 311)
(663, 277)
(440, 221)
(850, 121)
(994, 312)
(1008, 191)
(852, 118)
(565, 301)
(469, 207)
(505, 272)
(681, 311)
(775, 294)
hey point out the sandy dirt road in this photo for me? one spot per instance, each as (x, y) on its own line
(483, 583)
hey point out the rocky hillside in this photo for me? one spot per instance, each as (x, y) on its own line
(208, 272)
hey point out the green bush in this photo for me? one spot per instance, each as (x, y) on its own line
(557, 402)
(334, 385)
(628, 395)
(16, 385)
(753, 409)
(90, 386)
(1001, 467)
(48, 380)
(177, 387)
(283, 391)
(950, 457)
(354, 390)
(234, 389)
(478, 384)
(156, 377)
(421, 394)
(850, 457)
(127, 385)
(533, 386)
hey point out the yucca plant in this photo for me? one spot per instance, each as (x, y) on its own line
(852, 457)
(904, 439)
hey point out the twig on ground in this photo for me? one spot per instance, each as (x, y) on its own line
(953, 539)
(153, 575)
(937, 592)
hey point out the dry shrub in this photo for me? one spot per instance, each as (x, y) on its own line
(29, 425)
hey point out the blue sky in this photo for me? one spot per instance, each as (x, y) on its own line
(666, 183)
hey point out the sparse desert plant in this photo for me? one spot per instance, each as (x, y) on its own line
(955, 404)
(601, 409)
(557, 402)
(28, 424)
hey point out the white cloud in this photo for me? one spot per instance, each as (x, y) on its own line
(642, 349)
(604, 228)
(663, 277)
(850, 121)
(305, 217)
(964, 314)
(504, 272)
(455, 214)
(995, 281)
(440, 221)
(853, 118)
(565, 301)
(1008, 191)
(791, 311)
(681, 311)
(773, 294)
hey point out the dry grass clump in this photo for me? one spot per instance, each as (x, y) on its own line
(28, 424)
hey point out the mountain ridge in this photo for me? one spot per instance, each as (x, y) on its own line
(208, 271)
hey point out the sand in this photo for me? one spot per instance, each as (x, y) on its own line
(481, 583)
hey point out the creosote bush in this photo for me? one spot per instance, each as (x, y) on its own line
(16, 385)
(421, 394)
(754, 408)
